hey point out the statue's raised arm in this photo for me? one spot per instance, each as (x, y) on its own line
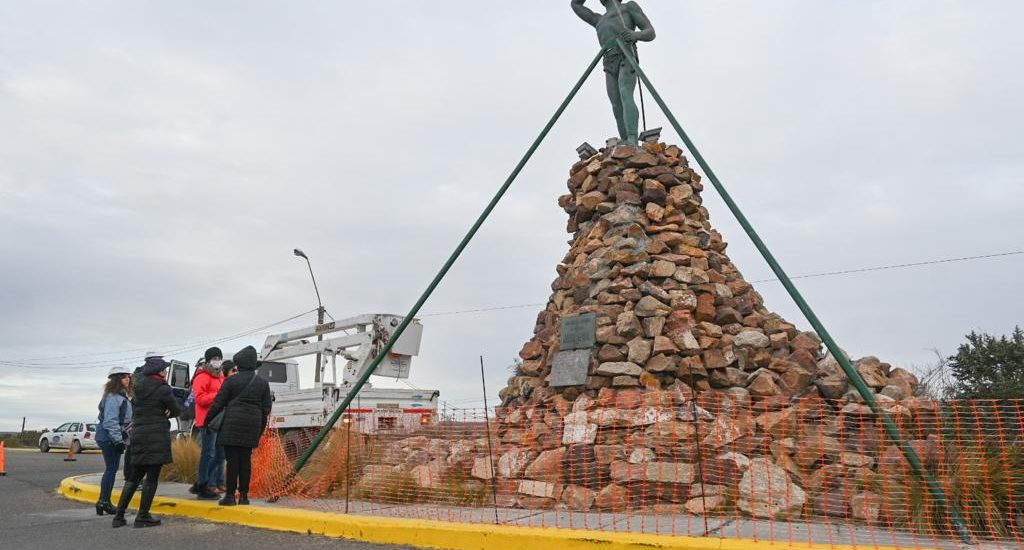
(585, 13)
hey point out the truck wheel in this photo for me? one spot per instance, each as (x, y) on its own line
(297, 440)
(44, 445)
(292, 441)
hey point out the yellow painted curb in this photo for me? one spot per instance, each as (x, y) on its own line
(435, 534)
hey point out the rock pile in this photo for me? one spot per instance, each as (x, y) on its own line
(697, 399)
(695, 390)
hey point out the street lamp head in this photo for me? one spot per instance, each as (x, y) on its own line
(300, 253)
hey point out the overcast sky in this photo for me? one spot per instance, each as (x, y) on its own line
(160, 160)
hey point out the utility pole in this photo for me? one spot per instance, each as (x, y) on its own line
(23, 424)
(320, 311)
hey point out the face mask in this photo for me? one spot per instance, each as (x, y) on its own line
(216, 363)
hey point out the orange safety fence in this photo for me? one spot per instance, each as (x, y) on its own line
(800, 472)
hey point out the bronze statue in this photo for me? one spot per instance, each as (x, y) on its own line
(628, 22)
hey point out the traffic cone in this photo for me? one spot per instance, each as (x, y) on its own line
(3, 472)
(71, 454)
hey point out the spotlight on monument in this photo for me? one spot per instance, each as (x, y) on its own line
(651, 136)
(612, 142)
(586, 151)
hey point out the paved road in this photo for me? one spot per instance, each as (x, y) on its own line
(33, 516)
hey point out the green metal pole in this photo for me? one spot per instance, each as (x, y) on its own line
(890, 426)
(447, 265)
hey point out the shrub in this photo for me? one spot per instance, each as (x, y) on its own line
(985, 481)
(390, 488)
(27, 439)
(185, 467)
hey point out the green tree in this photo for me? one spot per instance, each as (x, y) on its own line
(987, 367)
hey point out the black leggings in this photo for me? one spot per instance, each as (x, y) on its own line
(150, 472)
(239, 468)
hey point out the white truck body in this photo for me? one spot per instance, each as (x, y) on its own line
(302, 412)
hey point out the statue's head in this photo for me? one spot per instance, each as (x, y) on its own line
(610, 3)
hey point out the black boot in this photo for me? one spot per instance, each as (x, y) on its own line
(228, 500)
(243, 498)
(144, 519)
(105, 507)
(127, 492)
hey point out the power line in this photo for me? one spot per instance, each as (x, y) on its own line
(896, 266)
(481, 310)
(45, 363)
(805, 276)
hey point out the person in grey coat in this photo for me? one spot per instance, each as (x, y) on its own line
(150, 441)
(246, 401)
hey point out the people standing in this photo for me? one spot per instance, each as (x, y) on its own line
(150, 439)
(112, 436)
(245, 401)
(205, 386)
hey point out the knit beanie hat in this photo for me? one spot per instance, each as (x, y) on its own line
(213, 352)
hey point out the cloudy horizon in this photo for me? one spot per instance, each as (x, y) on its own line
(160, 162)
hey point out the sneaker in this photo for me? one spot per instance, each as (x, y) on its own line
(205, 493)
(228, 500)
(220, 488)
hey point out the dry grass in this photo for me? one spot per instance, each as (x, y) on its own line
(185, 467)
(985, 482)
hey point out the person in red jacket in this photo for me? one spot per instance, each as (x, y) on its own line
(211, 460)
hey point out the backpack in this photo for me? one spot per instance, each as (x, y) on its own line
(188, 408)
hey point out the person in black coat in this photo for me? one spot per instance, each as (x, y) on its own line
(150, 439)
(245, 401)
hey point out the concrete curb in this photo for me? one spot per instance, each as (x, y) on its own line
(433, 534)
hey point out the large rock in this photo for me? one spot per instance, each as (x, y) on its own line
(766, 491)
(513, 463)
(870, 368)
(649, 306)
(547, 466)
(866, 507)
(704, 505)
(663, 472)
(751, 339)
(578, 499)
(482, 468)
(430, 476)
(613, 498)
(619, 369)
(578, 429)
(540, 489)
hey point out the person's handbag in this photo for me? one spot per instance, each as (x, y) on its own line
(217, 422)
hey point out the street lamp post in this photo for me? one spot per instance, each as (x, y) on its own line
(319, 312)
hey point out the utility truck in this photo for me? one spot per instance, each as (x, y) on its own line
(298, 413)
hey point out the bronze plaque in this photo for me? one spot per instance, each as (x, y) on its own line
(578, 332)
(570, 368)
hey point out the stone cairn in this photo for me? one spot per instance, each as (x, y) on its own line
(692, 399)
(694, 391)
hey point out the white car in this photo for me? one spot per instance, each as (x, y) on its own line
(78, 436)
